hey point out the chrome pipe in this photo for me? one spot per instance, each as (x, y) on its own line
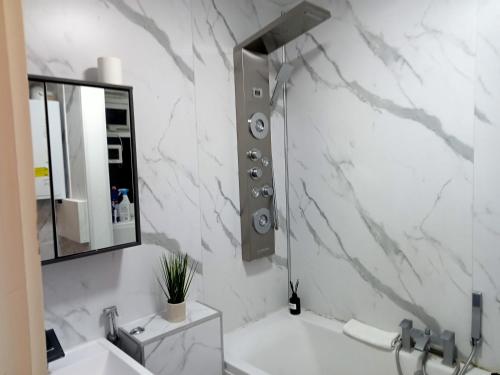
(287, 179)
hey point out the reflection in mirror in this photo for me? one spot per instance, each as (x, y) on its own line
(92, 166)
(120, 165)
(41, 172)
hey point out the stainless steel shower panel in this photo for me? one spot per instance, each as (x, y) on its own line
(254, 153)
(251, 69)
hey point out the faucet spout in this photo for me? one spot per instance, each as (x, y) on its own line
(422, 342)
(111, 313)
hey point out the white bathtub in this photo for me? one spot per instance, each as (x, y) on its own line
(282, 344)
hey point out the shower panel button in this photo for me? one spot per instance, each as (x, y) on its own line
(255, 173)
(267, 191)
(266, 162)
(254, 154)
(259, 125)
(257, 92)
(262, 221)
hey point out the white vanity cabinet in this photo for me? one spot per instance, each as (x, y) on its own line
(192, 347)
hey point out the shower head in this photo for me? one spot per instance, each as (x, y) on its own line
(297, 21)
(281, 78)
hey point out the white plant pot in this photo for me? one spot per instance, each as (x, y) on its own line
(176, 312)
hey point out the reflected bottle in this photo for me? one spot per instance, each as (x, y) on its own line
(124, 206)
(114, 203)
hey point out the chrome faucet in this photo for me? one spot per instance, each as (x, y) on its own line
(111, 313)
(424, 340)
(422, 344)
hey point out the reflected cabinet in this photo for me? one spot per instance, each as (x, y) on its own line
(85, 167)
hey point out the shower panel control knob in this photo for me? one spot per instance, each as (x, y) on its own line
(267, 191)
(255, 173)
(262, 221)
(254, 154)
(259, 125)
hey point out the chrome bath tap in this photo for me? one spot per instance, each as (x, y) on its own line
(424, 340)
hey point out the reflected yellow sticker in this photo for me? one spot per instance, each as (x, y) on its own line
(41, 172)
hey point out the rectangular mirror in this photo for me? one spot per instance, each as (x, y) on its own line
(84, 166)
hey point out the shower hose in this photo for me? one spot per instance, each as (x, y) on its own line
(469, 360)
(423, 372)
(398, 363)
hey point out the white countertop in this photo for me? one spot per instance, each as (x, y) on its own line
(155, 326)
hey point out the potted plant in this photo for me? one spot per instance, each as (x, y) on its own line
(175, 280)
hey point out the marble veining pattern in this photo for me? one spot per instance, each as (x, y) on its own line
(186, 154)
(194, 351)
(154, 42)
(393, 147)
(486, 219)
(192, 347)
(235, 287)
(382, 163)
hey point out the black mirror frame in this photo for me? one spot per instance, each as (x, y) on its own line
(129, 89)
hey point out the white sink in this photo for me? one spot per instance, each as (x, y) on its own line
(98, 357)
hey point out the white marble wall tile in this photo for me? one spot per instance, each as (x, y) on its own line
(487, 180)
(76, 293)
(383, 105)
(154, 41)
(194, 351)
(244, 291)
(381, 143)
(161, 59)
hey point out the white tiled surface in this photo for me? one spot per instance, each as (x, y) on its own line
(193, 351)
(381, 127)
(392, 113)
(155, 326)
(183, 95)
(486, 261)
(191, 347)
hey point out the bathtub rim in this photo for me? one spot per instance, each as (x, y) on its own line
(235, 365)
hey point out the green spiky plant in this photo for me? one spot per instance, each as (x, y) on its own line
(176, 276)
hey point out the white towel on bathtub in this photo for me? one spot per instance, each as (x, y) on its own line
(370, 335)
